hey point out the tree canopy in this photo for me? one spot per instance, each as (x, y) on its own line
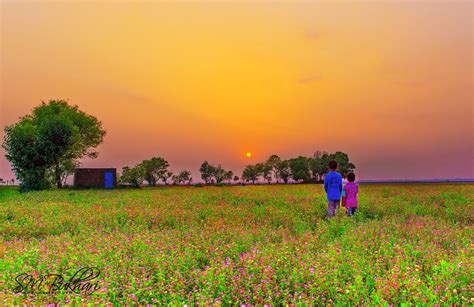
(45, 146)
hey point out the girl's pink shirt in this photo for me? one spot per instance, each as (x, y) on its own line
(351, 190)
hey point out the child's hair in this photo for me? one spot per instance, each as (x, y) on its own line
(332, 164)
(351, 177)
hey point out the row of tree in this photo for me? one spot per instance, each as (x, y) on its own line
(216, 174)
(152, 171)
(274, 169)
(7, 181)
(46, 146)
(299, 169)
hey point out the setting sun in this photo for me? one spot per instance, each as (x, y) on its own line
(248, 154)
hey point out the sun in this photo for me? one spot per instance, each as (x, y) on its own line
(248, 154)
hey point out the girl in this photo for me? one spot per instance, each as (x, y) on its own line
(349, 200)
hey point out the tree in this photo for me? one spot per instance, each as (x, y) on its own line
(207, 172)
(318, 165)
(133, 175)
(211, 173)
(236, 178)
(155, 168)
(228, 176)
(251, 173)
(266, 171)
(182, 177)
(84, 132)
(165, 176)
(219, 174)
(300, 169)
(283, 170)
(320, 160)
(345, 166)
(34, 148)
(272, 162)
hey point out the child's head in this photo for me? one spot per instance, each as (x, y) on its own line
(351, 177)
(332, 165)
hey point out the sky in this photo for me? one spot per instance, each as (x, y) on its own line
(388, 82)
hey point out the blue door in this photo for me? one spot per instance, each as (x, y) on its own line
(108, 180)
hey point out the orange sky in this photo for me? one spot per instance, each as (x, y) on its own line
(388, 82)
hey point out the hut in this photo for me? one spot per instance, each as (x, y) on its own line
(95, 178)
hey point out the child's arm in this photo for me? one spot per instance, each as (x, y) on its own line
(343, 197)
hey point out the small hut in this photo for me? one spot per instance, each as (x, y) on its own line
(95, 178)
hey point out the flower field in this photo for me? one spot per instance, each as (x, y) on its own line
(242, 245)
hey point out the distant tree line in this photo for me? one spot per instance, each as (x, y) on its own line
(45, 147)
(274, 170)
(299, 169)
(7, 181)
(153, 171)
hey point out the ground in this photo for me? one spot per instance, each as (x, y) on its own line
(246, 245)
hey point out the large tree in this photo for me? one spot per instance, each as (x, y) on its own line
(345, 166)
(84, 131)
(34, 148)
(318, 164)
(300, 169)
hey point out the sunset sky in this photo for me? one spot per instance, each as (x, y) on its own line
(388, 82)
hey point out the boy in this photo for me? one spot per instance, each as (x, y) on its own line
(333, 187)
(350, 199)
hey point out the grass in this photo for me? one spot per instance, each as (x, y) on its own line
(245, 245)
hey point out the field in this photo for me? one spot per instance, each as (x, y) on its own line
(245, 245)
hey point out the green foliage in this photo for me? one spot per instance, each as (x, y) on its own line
(266, 171)
(165, 176)
(272, 164)
(251, 173)
(155, 169)
(283, 170)
(300, 169)
(211, 173)
(34, 148)
(219, 174)
(183, 177)
(207, 172)
(344, 165)
(53, 139)
(133, 175)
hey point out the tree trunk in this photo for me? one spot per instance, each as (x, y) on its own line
(57, 172)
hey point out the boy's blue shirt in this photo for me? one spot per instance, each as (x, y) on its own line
(333, 185)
